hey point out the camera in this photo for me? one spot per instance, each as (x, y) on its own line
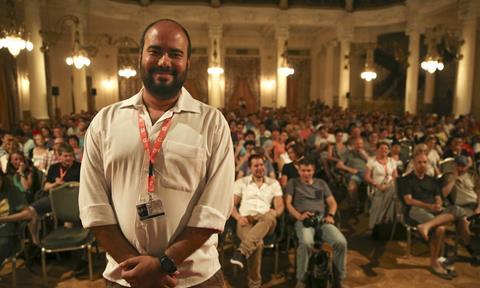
(313, 221)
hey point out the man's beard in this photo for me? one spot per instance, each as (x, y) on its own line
(162, 90)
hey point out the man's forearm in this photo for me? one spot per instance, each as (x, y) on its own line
(120, 249)
(190, 240)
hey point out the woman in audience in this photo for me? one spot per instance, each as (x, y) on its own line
(73, 141)
(432, 154)
(380, 174)
(338, 151)
(40, 153)
(395, 155)
(11, 201)
(456, 149)
(21, 173)
(296, 153)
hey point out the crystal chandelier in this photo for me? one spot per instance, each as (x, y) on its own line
(79, 57)
(369, 74)
(215, 69)
(433, 61)
(14, 37)
(127, 72)
(285, 69)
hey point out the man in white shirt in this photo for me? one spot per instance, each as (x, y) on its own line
(255, 217)
(157, 175)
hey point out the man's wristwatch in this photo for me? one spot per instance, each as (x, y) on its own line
(167, 265)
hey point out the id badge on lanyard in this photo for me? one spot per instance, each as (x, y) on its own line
(153, 207)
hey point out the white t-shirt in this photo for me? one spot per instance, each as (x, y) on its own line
(381, 173)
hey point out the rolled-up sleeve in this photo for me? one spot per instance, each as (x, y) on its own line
(94, 200)
(216, 201)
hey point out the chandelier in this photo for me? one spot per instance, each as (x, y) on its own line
(369, 74)
(285, 69)
(215, 69)
(79, 57)
(127, 72)
(433, 61)
(14, 37)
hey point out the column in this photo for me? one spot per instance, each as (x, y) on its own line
(368, 90)
(429, 88)
(281, 35)
(328, 90)
(345, 38)
(36, 62)
(411, 89)
(344, 74)
(216, 91)
(80, 95)
(464, 83)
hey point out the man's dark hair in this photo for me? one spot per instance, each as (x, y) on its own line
(254, 156)
(249, 132)
(142, 40)
(65, 148)
(306, 162)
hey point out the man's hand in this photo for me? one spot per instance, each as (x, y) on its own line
(59, 181)
(436, 208)
(306, 215)
(242, 221)
(145, 271)
(477, 211)
(328, 220)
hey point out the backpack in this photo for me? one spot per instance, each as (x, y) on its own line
(320, 268)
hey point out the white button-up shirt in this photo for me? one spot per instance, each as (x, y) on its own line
(256, 200)
(194, 176)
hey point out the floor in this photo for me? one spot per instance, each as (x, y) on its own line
(370, 264)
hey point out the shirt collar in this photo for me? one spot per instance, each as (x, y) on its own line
(266, 180)
(185, 102)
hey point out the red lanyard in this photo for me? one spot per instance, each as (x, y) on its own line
(62, 173)
(152, 153)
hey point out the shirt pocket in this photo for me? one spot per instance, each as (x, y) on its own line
(184, 166)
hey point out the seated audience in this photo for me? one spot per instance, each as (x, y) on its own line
(255, 217)
(381, 173)
(66, 171)
(422, 194)
(306, 197)
(355, 165)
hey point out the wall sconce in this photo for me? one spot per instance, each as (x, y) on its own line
(268, 84)
(108, 84)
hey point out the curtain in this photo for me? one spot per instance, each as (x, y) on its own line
(9, 107)
(242, 80)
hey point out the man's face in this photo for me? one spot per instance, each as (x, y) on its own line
(306, 172)
(67, 159)
(358, 144)
(257, 167)
(57, 132)
(420, 163)
(57, 142)
(462, 169)
(164, 60)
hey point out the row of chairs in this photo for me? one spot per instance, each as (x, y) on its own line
(64, 203)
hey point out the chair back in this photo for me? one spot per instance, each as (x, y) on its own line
(401, 182)
(64, 200)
